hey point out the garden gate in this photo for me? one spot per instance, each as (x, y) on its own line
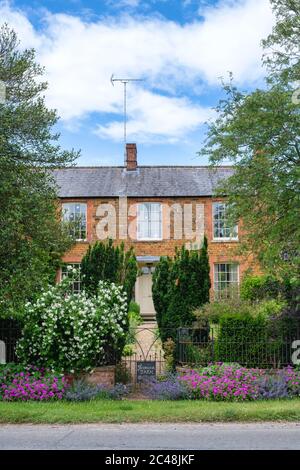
(144, 356)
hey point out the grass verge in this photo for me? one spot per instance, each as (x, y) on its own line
(129, 411)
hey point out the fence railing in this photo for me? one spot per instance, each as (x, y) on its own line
(192, 346)
(201, 346)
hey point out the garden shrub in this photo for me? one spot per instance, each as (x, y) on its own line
(212, 312)
(105, 262)
(180, 286)
(255, 288)
(243, 339)
(74, 331)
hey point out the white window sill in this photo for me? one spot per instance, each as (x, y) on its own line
(149, 239)
(226, 240)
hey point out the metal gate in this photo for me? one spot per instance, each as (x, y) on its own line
(146, 358)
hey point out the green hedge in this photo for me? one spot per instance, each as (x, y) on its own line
(243, 339)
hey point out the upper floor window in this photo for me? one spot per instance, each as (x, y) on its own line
(221, 229)
(75, 214)
(66, 270)
(226, 280)
(149, 221)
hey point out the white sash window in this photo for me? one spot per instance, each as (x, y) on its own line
(149, 221)
(74, 213)
(221, 229)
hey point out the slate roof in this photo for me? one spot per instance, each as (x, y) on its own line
(146, 181)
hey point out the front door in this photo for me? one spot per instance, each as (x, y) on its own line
(143, 296)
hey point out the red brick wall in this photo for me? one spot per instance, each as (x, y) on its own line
(218, 251)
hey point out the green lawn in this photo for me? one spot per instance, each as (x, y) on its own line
(147, 410)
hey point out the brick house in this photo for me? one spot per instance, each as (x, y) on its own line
(154, 209)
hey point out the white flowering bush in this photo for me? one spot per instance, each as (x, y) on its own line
(73, 331)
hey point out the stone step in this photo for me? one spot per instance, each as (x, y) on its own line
(149, 317)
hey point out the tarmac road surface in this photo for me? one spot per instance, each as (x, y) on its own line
(218, 436)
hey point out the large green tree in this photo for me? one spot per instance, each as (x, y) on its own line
(32, 238)
(259, 133)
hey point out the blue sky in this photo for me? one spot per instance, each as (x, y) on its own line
(180, 49)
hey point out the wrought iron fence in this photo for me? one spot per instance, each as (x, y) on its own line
(191, 346)
(263, 348)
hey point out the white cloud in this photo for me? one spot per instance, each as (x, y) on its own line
(157, 118)
(80, 57)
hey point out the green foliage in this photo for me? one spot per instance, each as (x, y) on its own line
(180, 286)
(134, 315)
(214, 311)
(134, 308)
(169, 352)
(259, 133)
(32, 238)
(285, 294)
(282, 50)
(260, 287)
(199, 354)
(105, 262)
(161, 288)
(74, 331)
(134, 320)
(241, 339)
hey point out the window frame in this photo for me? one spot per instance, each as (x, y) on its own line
(216, 283)
(85, 215)
(63, 275)
(233, 229)
(138, 232)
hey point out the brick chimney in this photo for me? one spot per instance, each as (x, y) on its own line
(131, 157)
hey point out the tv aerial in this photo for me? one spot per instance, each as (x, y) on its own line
(125, 82)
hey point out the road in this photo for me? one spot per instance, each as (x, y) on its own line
(151, 436)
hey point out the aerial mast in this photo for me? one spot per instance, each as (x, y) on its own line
(125, 81)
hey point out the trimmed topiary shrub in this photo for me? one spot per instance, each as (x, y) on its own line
(179, 287)
(106, 262)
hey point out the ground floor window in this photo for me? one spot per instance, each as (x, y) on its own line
(76, 286)
(226, 279)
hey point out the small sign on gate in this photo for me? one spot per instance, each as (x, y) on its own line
(145, 370)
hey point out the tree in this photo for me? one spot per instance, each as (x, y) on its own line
(105, 262)
(179, 287)
(282, 50)
(26, 134)
(32, 238)
(259, 133)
